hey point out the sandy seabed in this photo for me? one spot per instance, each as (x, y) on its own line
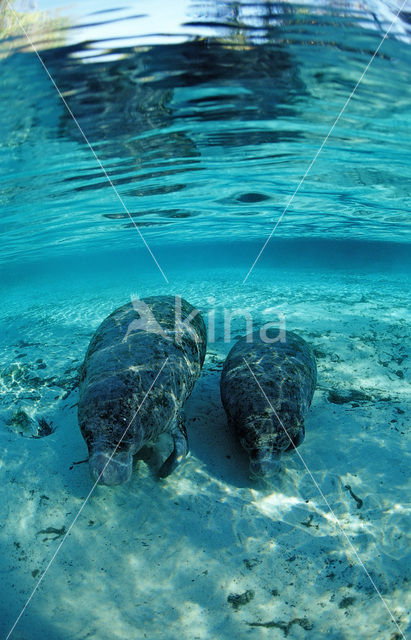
(206, 554)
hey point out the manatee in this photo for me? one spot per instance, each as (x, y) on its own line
(122, 407)
(285, 367)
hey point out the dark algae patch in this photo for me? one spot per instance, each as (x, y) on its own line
(346, 602)
(251, 563)
(44, 429)
(308, 522)
(240, 599)
(78, 462)
(21, 423)
(52, 530)
(356, 498)
(304, 623)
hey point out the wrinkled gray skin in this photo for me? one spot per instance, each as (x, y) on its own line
(122, 361)
(287, 372)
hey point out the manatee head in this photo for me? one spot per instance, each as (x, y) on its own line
(112, 471)
(265, 440)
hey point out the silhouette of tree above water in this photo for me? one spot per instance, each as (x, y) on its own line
(48, 28)
(127, 97)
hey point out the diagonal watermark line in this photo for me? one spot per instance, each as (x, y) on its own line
(324, 142)
(326, 502)
(83, 505)
(86, 139)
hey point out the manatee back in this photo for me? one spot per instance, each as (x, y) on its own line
(126, 353)
(286, 370)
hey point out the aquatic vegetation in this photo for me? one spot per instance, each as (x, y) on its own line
(45, 428)
(57, 533)
(304, 623)
(240, 599)
(21, 422)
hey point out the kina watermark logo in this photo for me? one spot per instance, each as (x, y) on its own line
(219, 321)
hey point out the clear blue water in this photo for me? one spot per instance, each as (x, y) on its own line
(205, 117)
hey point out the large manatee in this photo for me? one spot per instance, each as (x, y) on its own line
(123, 405)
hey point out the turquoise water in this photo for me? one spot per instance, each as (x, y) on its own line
(206, 117)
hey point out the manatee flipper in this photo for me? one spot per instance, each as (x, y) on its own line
(180, 449)
(297, 440)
